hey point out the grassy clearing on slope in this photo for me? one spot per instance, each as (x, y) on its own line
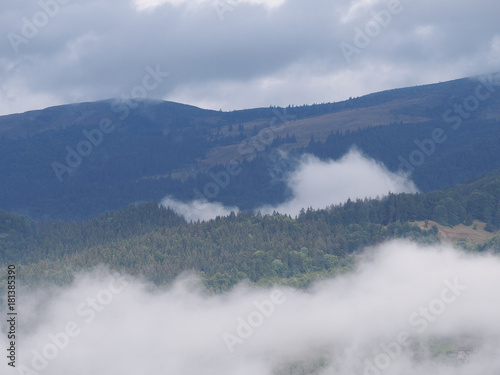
(472, 235)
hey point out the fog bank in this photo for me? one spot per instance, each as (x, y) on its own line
(318, 184)
(314, 183)
(406, 309)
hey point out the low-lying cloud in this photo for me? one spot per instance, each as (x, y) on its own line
(198, 209)
(406, 309)
(317, 184)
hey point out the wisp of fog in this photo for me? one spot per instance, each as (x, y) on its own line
(406, 309)
(198, 209)
(317, 184)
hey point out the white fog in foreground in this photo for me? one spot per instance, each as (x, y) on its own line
(317, 184)
(341, 326)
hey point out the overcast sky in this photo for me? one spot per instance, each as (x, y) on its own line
(234, 54)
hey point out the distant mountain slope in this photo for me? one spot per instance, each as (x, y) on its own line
(411, 105)
(406, 105)
(89, 114)
(77, 161)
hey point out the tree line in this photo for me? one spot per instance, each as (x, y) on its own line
(154, 242)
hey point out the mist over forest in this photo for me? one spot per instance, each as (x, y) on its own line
(251, 187)
(404, 308)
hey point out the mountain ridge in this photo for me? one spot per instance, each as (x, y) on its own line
(439, 89)
(79, 160)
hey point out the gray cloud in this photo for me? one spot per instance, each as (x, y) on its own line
(257, 56)
(441, 299)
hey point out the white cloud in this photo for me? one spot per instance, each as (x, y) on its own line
(314, 183)
(358, 9)
(443, 299)
(145, 4)
(198, 209)
(319, 184)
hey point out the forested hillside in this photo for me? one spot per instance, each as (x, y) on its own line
(78, 161)
(152, 241)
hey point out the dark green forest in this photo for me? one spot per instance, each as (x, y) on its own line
(154, 242)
